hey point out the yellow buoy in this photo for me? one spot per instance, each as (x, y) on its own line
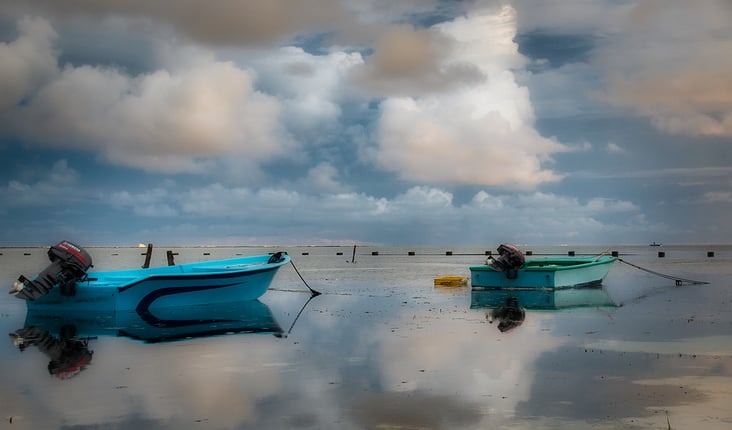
(451, 281)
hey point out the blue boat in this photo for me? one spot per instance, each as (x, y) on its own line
(66, 284)
(511, 270)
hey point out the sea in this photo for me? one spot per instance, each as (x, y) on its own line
(383, 347)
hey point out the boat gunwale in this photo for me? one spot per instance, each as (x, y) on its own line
(192, 276)
(554, 264)
(214, 269)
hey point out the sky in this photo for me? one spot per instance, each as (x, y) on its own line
(334, 122)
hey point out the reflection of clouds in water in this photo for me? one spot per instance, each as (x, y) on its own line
(587, 384)
(217, 379)
(477, 363)
(221, 383)
(706, 345)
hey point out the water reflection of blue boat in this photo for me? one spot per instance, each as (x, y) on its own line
(545, 299)
(165, 324)
(64, 336)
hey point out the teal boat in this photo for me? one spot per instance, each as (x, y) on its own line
(545, 273)
(510, 270)
(66, 284)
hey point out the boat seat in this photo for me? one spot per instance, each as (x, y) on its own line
(209, 269)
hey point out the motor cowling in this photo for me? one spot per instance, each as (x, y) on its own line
(276, 257)
(69, 264)
(509, 258)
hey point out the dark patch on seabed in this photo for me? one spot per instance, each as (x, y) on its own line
(592, 384)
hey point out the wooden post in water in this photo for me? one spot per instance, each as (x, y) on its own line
(171, 258)
(148, 256)
(353, 257)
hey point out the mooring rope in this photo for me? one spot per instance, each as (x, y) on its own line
(679, 281)
(313, 292)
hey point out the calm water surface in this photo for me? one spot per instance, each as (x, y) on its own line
(383, 348)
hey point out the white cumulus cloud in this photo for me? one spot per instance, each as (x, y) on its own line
(163, 121)
(419, 215)
(480, 132)
(672, 64)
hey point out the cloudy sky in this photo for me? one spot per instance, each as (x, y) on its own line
(418, 122)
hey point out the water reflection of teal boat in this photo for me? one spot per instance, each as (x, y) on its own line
(546, 299)
(508, 305)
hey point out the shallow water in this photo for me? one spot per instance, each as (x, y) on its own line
(383, 348)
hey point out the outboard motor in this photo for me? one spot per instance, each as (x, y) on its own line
(509, 259)
(69, 263)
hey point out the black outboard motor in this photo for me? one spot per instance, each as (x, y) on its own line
(69, 263)
(509, 260)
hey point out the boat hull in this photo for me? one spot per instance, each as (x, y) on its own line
(548, 273)
(212, 282)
